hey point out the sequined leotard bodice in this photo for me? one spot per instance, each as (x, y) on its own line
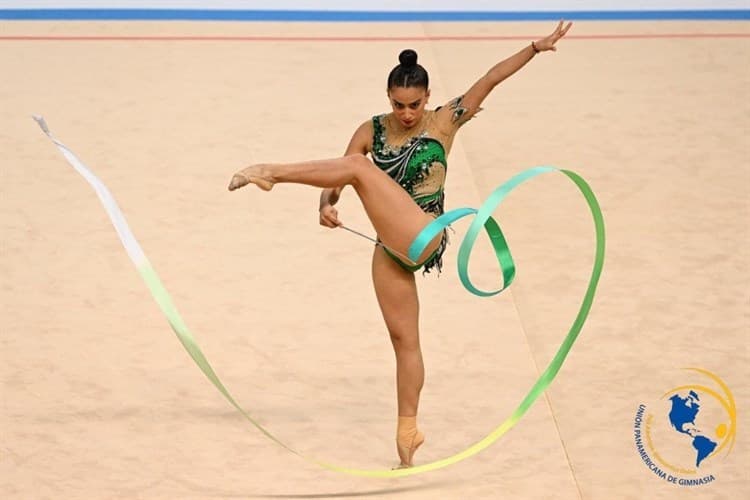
(419, 166)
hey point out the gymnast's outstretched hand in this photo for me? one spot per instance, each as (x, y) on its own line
(548, 42)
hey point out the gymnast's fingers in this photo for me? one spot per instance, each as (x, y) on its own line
(334, 221)
(329, 217)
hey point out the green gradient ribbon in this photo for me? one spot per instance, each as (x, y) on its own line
(482, 219)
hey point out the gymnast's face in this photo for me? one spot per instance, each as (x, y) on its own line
(408, 104)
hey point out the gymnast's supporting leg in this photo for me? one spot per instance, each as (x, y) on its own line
(395, 216)
(396, 292)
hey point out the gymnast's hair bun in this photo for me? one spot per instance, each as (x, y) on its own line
(407, 58)
(408, 73)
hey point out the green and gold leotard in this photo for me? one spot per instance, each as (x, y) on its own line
(419, 166)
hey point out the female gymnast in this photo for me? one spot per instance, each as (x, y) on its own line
(401, 190)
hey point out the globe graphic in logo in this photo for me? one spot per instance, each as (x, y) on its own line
(682, 416)
(680, 434)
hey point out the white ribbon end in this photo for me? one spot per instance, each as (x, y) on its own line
(43, 124)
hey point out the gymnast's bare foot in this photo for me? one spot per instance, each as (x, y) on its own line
(255, 174)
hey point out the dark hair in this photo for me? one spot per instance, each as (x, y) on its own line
(408, 73)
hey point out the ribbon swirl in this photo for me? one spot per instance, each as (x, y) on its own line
(483, 219)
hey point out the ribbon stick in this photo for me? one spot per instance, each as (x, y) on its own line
(482, 220)
(380, 244)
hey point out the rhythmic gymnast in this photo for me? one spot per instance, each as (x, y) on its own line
(401, 190)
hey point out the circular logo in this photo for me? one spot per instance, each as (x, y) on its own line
(679, 435)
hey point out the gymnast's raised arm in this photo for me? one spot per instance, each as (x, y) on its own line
(461, 109)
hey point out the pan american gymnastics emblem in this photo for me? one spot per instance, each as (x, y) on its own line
(679, 436)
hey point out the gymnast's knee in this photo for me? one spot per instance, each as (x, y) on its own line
(404, 341)
(359, 164)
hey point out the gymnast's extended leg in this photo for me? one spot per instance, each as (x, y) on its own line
(397, 220)
(395, 216)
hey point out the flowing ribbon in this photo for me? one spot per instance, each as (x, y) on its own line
(483, 219)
